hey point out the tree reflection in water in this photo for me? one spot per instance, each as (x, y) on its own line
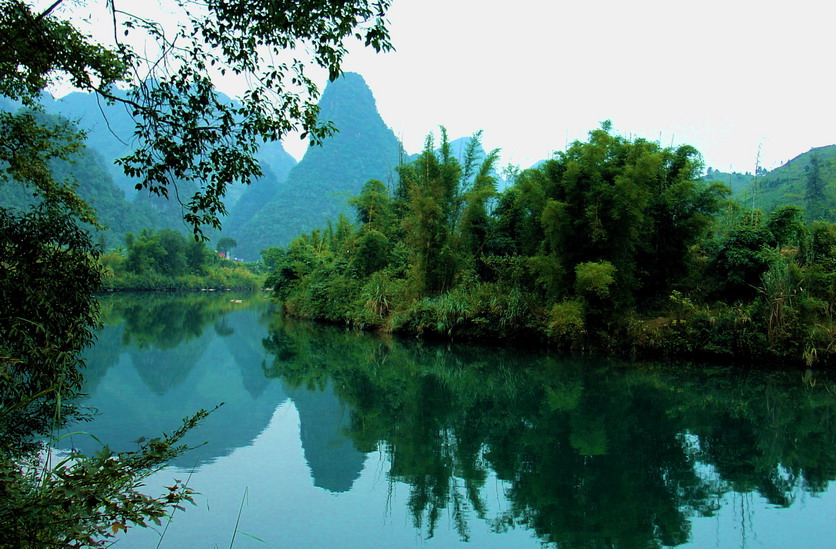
(593, 453)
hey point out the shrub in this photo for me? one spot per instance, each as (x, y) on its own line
(594, 278)
(566, 322)
(380, 295)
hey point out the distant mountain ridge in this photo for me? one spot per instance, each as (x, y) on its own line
(95, 185)
(288, 200)
(110, 130)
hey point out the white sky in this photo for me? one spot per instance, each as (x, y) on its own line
(723, 75)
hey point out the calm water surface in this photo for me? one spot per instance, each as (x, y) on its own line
(331, 438)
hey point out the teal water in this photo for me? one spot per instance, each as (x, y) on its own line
(334, 438)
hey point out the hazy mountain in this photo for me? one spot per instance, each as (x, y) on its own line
(277, 160)
(103, 184)
(109, 135)
(254, 197)
(109, 130)
(276, 164)
(318, 188)
(95, 185)
(7, 104)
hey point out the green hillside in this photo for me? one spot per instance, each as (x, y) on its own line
(252, 200)
(734, 180)
(318, 188)
(96, 186)
(790, 184)
(248, 200)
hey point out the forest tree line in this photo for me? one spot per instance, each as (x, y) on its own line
(168, 260)
(613, 245)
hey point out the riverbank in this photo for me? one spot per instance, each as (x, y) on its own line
(216, 277)
(744, 334)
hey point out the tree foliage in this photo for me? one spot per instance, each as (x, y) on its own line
(50, 271)
(86, 501)
(444, 203)
(814, 195)
(634, 204)
(168, 260)
(225, 244)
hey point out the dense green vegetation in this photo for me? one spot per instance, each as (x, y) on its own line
(613, 245)
(167, 260)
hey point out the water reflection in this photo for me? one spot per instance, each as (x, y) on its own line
(580, 453)
(160, 359)
(593, 453)
(324, 421)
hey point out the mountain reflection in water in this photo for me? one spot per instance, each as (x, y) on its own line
(505, 447)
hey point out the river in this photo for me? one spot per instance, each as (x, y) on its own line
(334, 438)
